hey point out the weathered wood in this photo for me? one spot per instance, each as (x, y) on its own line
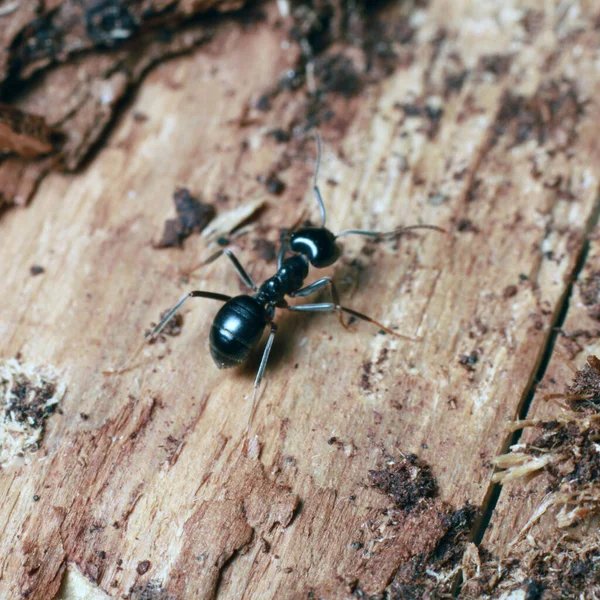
(524, 525)
(76, 91)
(487, 129)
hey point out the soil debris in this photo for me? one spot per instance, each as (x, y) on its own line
(414, 547)
(433, 575)
(28, 397)
(584, 392)
(407, 481)
(589, 289)
(56, 31)
(192, 217)
(565, 451)
(566, 567)
(550, 115)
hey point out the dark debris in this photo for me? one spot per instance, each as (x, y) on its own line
(172, 328)
(589, 288)
(192, 217)
(550, 115)
(408, 481)
(584, 392)
(27, 403)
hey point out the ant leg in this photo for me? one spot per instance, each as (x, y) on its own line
(163, 322)
(317, 285)
(330, 307)
(261, 370)
(282, 251)
(265, 356)
(388, 235)
(236, 263)
(315, 184)
(321, 204)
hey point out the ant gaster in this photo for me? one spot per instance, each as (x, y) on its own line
(241, 321)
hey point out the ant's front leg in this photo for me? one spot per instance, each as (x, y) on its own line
(243, 275)
(316, 286)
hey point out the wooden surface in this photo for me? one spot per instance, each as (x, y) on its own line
(149, 495)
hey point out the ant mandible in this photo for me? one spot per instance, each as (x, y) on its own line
(241, 321)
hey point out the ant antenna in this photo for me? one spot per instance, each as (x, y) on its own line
(315, 186)
(389, 235)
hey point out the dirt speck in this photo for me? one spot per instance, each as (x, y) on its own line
(365, 378)
(466, 226)
(143, 567)
(468, 361)
(497, 64)
(274, 184)
(279, 135)
(36, 270)
(171, 329)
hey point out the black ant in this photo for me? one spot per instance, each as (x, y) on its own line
(241, 321)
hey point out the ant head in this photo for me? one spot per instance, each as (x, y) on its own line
(317, 244)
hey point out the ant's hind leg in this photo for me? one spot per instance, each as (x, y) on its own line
(243, 275)
(261, 370)
(265, 356)
(163, 322)
(316, 286)
(330, 307)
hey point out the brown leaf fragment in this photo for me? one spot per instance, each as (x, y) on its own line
(23, 133)
(192, 217)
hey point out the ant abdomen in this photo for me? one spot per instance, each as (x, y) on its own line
(237, 328)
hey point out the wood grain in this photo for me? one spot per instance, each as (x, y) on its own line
(488, 129)
(524, 522)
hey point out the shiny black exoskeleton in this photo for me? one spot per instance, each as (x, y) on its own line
(241, 321)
